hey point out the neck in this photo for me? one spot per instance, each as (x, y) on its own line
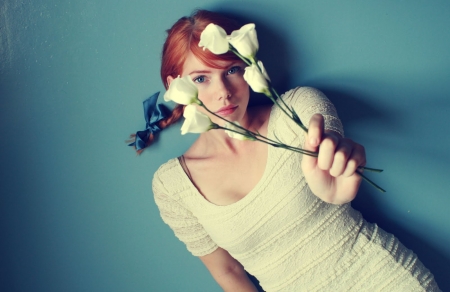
(218, 140)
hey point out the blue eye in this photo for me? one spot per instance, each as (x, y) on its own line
(200, 79)
(234, 70)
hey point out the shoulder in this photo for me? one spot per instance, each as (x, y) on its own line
(165, 174)
(298, 98)
(166, 168)
(302, 93)
(170, 183)
(301, 98)
(308, 101)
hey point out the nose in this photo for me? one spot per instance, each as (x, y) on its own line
(223, 89)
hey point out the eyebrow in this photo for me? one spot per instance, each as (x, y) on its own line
(209, 71)
(199, 72)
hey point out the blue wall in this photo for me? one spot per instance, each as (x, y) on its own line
(76, 208)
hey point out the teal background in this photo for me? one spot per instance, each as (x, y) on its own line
(76, 207)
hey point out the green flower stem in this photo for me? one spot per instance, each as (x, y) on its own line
(257, 136)
(247, 61)
(270, 142)
(261, 138)
(370, 169)
(292, 115)
(248, 133)
(271, 89)
(269, 95)
(370, 182)
(275, 101)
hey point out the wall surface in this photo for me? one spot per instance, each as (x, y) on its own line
(76, 208)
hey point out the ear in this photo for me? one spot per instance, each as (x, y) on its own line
(169, 80)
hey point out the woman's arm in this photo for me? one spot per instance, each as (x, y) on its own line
(331, 176)
(227, 271)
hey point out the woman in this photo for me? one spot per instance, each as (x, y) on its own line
(282, 216)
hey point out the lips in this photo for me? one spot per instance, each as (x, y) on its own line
(227, 110)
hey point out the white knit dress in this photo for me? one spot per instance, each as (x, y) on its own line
(281, 233)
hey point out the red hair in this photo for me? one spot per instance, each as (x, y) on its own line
(183, 37)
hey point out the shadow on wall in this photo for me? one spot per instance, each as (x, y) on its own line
(346, 102)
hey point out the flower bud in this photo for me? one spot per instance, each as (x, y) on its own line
(245, 41)
(257, 78)
(214, 38)
(195, 121)
(241, 135)
(182, 91)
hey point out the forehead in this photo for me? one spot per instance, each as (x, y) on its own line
(192, 63)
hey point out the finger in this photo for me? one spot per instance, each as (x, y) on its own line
(312, 140)
(309, 162)
(315, 130)
(341, 157)
(327, 150)
(356, 159)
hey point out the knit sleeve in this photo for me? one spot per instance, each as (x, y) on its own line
(183, 223)
(308, 101)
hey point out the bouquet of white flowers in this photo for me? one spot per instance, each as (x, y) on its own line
(243, 43)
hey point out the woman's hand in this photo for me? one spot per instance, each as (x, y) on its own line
(331, 176)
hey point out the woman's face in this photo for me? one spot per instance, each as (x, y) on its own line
(223, 91)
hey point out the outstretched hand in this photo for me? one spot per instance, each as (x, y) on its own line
(331, 176)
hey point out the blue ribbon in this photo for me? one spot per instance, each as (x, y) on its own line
(153, 114)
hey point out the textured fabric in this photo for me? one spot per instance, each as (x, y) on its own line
(281, 233)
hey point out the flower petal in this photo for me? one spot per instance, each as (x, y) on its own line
(182, 91)
(195, 121)
(214, 38)
(245, 41)
(237, 133)
(256, 79)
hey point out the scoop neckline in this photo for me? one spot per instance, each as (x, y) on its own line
(252, 192)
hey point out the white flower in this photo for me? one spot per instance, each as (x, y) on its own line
(263, 70)
(245, 41)
(241, 135)
(257, 78)
(214, 38)
(182, 91)
(195, 121)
